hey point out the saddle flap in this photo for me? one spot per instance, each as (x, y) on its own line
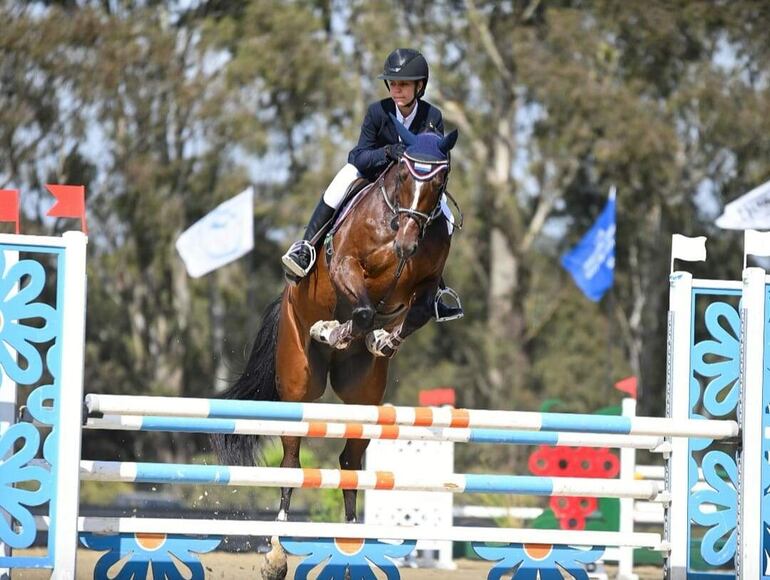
(355, 193)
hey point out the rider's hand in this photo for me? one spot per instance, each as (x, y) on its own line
(394, 152)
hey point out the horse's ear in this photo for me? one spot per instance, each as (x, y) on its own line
(406, 135)
(446, 143)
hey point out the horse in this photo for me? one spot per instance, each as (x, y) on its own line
(373, 285)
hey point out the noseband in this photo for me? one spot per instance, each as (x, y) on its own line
(423, 171)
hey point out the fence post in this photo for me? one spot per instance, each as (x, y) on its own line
(627, 473)
(752, 475)
(7, 415)
(64, 521)
(678, 407)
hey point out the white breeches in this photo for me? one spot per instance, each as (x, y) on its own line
(338, 187)
(336, 190)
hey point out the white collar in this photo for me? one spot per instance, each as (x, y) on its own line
(407, 122)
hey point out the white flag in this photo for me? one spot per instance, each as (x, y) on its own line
(689, 249)
(221, 236)
(750, 211)
(756, 243)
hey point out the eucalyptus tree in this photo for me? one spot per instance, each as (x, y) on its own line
(555, 103)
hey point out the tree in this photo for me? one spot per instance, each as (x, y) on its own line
(164, 111)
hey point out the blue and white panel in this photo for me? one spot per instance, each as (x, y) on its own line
(137, 555)
(528, 561)
(715, 390)
(703, 383)
(32, 324)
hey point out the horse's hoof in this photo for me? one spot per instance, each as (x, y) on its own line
(322, 329)
(331, 332)
(378, 342)
(363, 317)
(275, 565)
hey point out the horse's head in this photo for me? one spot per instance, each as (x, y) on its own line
(421, 177)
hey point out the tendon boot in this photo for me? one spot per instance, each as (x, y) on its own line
(299, 260)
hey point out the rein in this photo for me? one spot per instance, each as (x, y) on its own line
(399, 271)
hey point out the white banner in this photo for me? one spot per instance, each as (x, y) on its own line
(756, 243)
(221, 236)
(689, 249)
(750, 211)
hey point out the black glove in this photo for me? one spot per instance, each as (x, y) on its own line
(394, 152)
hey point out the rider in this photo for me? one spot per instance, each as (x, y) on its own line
(406, 75)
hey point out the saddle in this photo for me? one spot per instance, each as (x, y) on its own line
(355, 193)
(352, 192)
(352, 196)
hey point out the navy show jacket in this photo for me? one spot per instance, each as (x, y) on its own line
(377, 131)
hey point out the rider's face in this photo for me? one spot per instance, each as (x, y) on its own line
(402, 92)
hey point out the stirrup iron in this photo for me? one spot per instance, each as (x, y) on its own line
(455, 297)
(292, 266)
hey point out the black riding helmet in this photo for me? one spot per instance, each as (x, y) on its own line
(406, 64)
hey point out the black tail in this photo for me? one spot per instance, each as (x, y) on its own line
(256, 383)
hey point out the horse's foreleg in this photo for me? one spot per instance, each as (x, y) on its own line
(348, 279)
(383, 343)
(352, 458)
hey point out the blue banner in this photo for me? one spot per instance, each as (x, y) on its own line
(591, 263)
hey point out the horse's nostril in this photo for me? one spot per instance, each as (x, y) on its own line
(405, 251)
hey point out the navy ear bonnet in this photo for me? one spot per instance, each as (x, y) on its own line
(428, 147)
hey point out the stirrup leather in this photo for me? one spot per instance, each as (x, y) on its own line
(454, 297)
(291, 265)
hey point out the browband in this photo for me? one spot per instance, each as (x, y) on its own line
(424, 170)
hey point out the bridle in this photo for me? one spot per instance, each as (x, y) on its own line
(422, 171)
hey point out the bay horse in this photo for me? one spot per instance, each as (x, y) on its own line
(372, 286)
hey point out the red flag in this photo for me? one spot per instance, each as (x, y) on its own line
(437, 397)
(9, 206)
(627, 385)
(70, 202)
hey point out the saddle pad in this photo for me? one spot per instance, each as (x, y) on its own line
(349, 206)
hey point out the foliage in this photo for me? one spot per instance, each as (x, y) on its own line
(100, 493)
(164, 110)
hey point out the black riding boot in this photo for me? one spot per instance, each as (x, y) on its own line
(300, 258)
(444, 312)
